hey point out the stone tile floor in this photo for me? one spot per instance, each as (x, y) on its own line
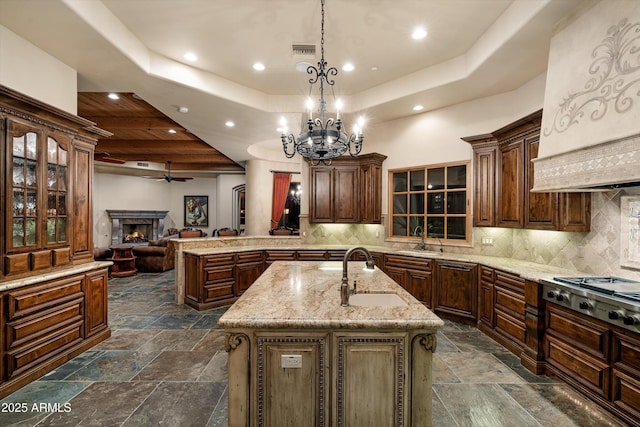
(165, 365)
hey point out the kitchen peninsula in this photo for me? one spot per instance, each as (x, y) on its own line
(295, 354)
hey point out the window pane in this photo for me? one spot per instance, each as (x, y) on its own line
(18, 146)
(31, 203)
(416, 221)
(416, 203)
(31, 145)
(417, 180)
(62, 178)
(62, 230)
(456, 228)
(52, 150)
(18, 233)
(32, 167)
(62, 204)
(31, 232)
(435, 179)
(51, 204)
(399, 226)
(435, 203)
(51, 230)
(457, 202)
(18, 171)
(400, 182)
(18, 202)
(51, 176)
(435, 227)
(400, 204)
(457, 176)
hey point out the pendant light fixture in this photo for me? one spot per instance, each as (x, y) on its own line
(324, 137)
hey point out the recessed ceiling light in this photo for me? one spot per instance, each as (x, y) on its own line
(419, 33)
(258, 66)
(348, 67)
(183, 109)
(172, 131)
(374, 68)
(229, 124)
(418, 107)
(113, 96)
(190, 56)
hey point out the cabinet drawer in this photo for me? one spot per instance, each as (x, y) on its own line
(24, 302)
(510, 281)
(61, 256)
(509, 301)
(218, 291)
(626, 354)
(40, 260)
(212, 275)
(248, 257)
(336, 255)
(215, 260)
(16, 264)
(51, 344)
(281, 255)
(592, 338)
(32, 328)
(626, 393)
(312, 255)
(510, 326)
(589, 371)
(407, 262)
(487, 274)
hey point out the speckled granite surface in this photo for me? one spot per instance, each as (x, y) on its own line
(53, 274)
(305, 295)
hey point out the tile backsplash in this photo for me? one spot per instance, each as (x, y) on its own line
(596, 252)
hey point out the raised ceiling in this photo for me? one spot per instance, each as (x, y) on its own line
(475, 48)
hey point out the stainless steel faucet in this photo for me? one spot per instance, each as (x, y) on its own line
(345, 292)
(421, 246)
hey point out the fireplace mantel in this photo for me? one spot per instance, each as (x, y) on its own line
(122, 217)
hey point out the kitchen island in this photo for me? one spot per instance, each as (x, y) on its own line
(298, 358)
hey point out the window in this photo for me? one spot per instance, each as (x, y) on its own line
(431, 199)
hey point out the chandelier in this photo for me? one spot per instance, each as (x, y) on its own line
(324, 137)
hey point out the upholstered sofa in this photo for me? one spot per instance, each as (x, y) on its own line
(158, 255)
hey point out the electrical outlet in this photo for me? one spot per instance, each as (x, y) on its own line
(291, 361)
(487, 241)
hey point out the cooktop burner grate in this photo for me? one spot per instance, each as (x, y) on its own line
(634, 296)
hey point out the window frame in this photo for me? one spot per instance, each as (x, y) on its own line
(422, 217)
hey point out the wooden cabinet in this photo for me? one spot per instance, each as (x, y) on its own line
(47, 173)
(413, 274)
(249, 266)
(625, 375)
(48, 323)
(455, 292)
(509, 310)
(485, 298)
(348, 191)
(503, 179)
(209, 280)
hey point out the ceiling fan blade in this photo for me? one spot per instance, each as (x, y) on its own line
(181, 179)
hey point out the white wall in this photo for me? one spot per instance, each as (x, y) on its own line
(134, 193)
(225, 201)
(33, 72)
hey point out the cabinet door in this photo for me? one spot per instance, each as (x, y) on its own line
(347, 194)
(369, 379)
(418, 283)
(397, 274)
(575, 212)
(246, 274)
(626, 374)
(82, 216)
(456, 291)
(484, 165)
(371, 194)
(510, 185)
(95, 302)
(541, 209)
(485, 297)
(291, 381)
(321, 200)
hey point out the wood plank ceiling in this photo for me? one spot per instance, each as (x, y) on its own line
(142, 133)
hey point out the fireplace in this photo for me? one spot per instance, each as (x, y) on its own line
(133, 227)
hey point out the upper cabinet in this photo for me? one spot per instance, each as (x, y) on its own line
(47, 160)
(347, 191)
(503, 177)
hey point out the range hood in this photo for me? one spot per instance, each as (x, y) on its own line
(590, 136)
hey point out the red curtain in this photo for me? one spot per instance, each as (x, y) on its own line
(281, 183)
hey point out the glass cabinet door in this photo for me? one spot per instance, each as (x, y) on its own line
(56, 192)
(24, 197)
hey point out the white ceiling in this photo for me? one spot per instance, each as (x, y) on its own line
(474, 48)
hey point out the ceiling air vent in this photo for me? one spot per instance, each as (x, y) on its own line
(143, 165)
(302, 49)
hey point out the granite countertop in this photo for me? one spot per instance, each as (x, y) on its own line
(525, 269)
(306, 295)
(53, 274)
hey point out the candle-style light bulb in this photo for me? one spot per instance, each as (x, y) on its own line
(309, 106)
(338, 108)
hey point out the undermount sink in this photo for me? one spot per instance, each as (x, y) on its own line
(376, 300)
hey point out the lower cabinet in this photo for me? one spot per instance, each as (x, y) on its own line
(455, 293)
(413, 274)
(48, 323)
(599, 359)
(249, 266)
(329, 378)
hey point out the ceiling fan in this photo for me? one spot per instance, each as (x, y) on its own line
(168, 176)
(106, 158)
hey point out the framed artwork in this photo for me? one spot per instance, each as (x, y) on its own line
(196, 211)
